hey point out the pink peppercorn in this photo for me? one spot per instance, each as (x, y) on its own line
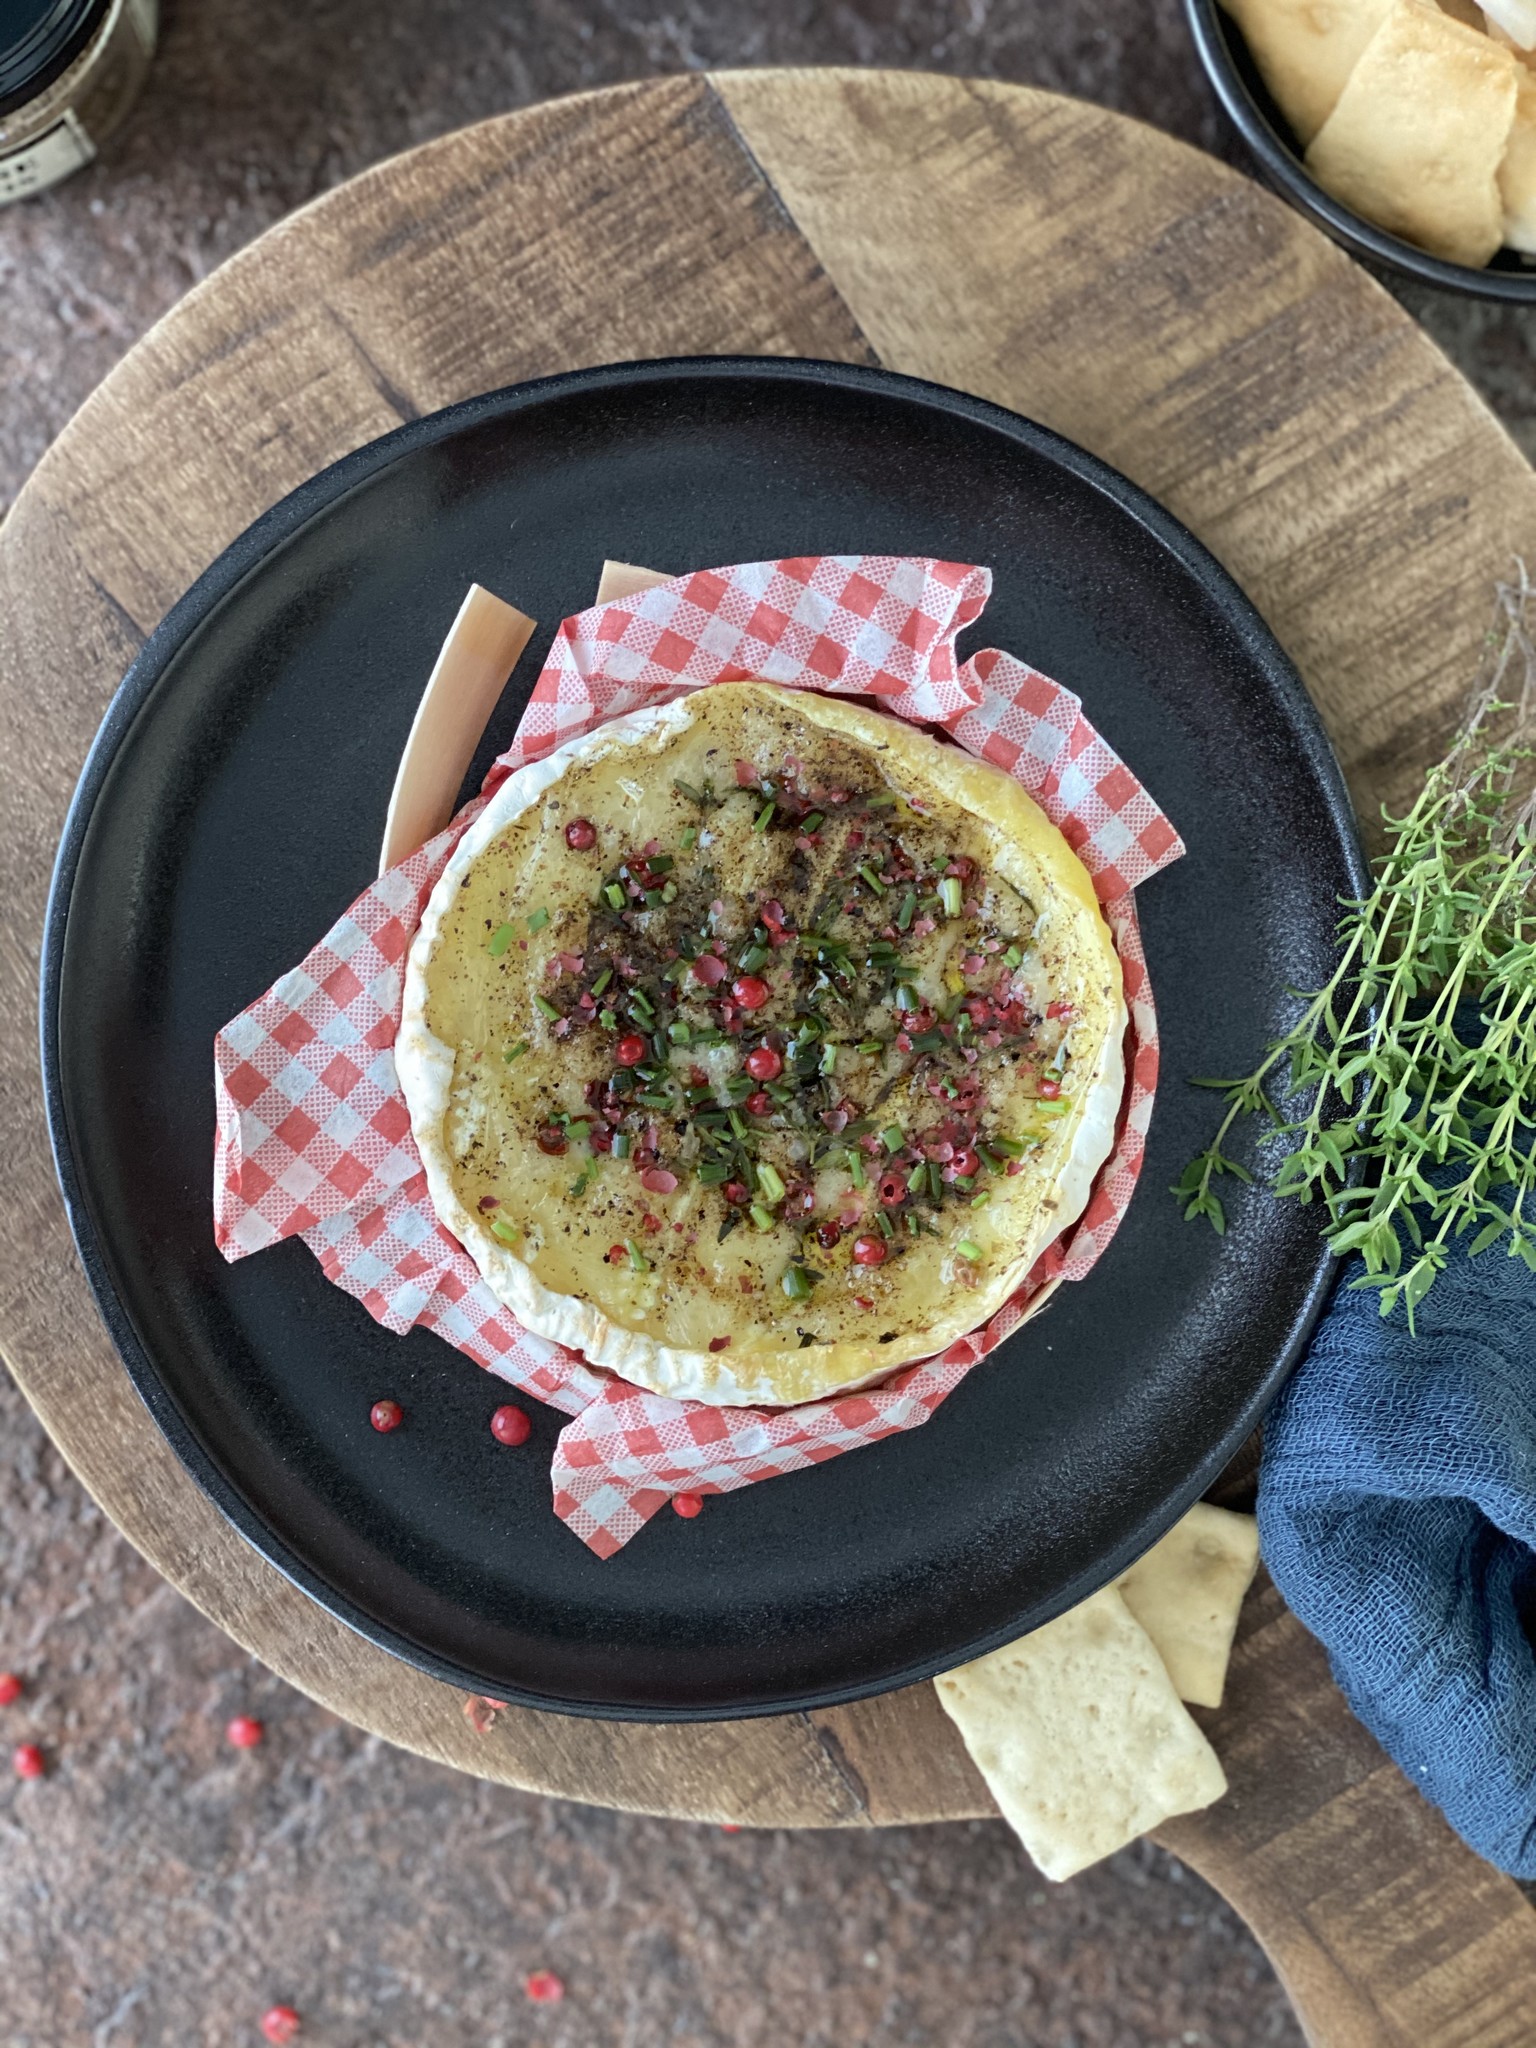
(510, 1425)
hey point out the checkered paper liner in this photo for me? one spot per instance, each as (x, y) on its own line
(314, 1138)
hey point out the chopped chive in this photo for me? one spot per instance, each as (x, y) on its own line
(607, 1019)
(621, 1145)
(714, 1171)
(696, 796)
(883, 802)
(980, 1201)
(669, 892)
(679, 1033)
(762, 1217)
(893, 1137)
(906, 998)
(727, 1226)
(507, 1232)
(768, 1180)
(1011, 1148)
(917, 1178)
(781, 1091)
(537, 919)
(1013, 957)
(813, 822)
(911, 1222)
(992, 1159)
(638, 1262)
(872, 1045)
(935, 1181)
(547, 1009)
(660, 863)
(615, 895)
(968, 1248)
(760, 822)
(829, 1059)
(515, 1052)
(1057, 1108)
(578, 1132)
(887, 1227)
(739, 1087)
(639, 1000)
(602, 981)
(652, 1100)
(653, 899)
(950, 895)
(908, 910)
(753, 958)
(500, 939)
(872, 878)
(690, 838)
(797, 1283)
(856, 1168)
(733, 1117)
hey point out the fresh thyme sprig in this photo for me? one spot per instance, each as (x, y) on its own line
(1418, 1059)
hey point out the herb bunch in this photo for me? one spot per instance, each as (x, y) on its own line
(1417, 1062)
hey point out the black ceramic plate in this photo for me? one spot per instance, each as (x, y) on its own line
(233, 805)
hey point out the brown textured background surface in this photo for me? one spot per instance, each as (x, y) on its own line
(160, 1888)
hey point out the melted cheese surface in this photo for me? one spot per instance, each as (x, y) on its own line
(893, 934)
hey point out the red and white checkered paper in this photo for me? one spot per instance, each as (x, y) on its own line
(314, 1139)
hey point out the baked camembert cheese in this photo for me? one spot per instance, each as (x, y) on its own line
(758, 1043)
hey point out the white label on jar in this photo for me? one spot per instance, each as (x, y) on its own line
(64, 148)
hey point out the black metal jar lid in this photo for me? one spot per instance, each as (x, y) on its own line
(40, 39)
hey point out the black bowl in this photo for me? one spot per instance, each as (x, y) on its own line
(1262, 126)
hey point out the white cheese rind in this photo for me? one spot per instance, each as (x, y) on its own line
(427, 1069)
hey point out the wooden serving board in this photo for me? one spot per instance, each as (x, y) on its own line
(1061, 260)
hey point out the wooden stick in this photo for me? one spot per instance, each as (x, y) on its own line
(470, 673)
(623, 579)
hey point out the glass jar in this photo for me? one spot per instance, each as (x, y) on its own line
(69, 72)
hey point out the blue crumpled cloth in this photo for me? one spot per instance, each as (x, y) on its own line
(1397, 1515)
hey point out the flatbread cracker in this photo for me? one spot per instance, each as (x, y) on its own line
(1186, 1593)
(1081, 1737)
(1415, 141)
(1517, 173)
(1306, 49)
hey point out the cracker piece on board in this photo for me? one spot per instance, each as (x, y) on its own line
(1415, 141)
(1517, 173)
(1080, 1735)
(1187, 1591)
(1306, 49)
